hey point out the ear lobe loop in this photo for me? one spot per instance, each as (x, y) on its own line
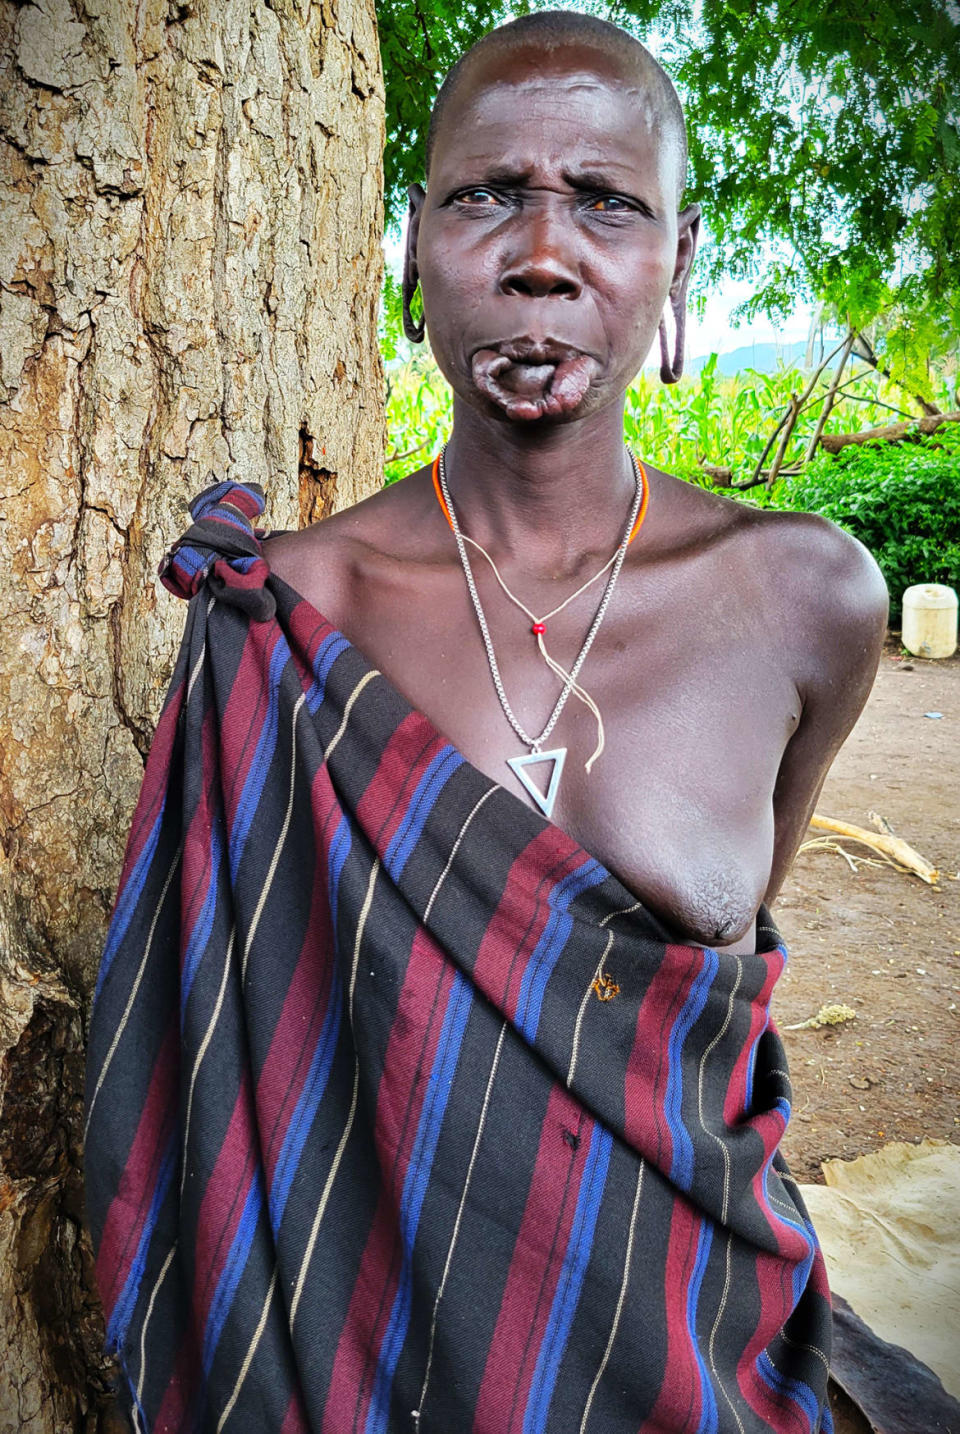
(413, 330)
(671, 369)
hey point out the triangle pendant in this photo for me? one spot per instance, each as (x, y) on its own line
(544, 800)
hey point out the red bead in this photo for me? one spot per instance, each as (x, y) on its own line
(539, 627)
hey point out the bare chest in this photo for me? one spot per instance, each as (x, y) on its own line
(695, 717)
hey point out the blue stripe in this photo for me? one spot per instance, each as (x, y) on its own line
(552, 941)
(752, 1068)
(795, 1390)
(570, 1284)
(219, 514)
(195, 560)
(306, 1107)
(128, 899)
(315, 1083)
(324, 658)
(681, 1166)
(801, 1271)
(414, 1189)
(209, 499)
(233, 1270)
(709, 1416)
(339, 851)
(428, 789)
(202, 927)
(266, 745)
(124, 1307)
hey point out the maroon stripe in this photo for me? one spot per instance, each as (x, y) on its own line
(735, 1096)
(680, 1400)
(409, 1056)
(129, 1207)
(244, 714)
(197, 866)
(305, 1004)
(308, 629)
(295, 1421)
(645, 1083)
(181, 1390)
(155, 777)
(223, 1201)
(521, 914)
(406, 756)
(534, 1266)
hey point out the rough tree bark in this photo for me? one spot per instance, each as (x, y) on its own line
(189, 268)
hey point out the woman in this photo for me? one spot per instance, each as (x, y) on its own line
(460, 1109)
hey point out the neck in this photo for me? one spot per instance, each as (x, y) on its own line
(550, 493)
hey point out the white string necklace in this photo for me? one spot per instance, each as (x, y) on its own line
(557, 755)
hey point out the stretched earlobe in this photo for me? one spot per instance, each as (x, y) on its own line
(671, 369)
(414, 329)
(688, 231)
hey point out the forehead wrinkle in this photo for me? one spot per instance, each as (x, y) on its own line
(482, 105)
(545, 88)
(518, 156)
(543, 48)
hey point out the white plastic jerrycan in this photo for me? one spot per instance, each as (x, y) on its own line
(930, 620)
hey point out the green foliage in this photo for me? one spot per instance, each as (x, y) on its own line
(824, 145)
(390, 329)
(902, 502)
(419, 415)
(419, 41)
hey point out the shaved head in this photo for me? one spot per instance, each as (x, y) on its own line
(550, 31)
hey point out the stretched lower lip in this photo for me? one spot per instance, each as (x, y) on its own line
(533, 387)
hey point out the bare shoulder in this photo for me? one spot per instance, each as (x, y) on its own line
(823, 571)
(813, 589)
(832, 597)
(323, 561)
(811, 569)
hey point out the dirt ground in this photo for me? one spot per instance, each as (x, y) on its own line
(877, 940)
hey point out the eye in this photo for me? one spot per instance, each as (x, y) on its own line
(478, 198)
(610, 204)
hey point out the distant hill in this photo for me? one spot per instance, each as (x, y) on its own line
(763, 357)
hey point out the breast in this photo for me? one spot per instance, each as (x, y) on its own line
(702, 886)
(689, 839)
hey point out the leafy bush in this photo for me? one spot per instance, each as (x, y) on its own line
(902, 501)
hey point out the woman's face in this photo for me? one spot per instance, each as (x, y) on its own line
(549, 240)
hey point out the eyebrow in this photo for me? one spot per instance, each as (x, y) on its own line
(590, 179)
(587, 181)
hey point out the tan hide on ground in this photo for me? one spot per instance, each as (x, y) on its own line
(888, 1224)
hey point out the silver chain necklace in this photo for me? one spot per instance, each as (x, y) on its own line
(544, 800)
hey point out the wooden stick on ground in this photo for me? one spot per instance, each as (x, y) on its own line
(895, 847)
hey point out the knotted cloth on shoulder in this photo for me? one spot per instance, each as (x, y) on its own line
(402, 1113)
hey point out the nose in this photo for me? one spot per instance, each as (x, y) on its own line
(541, 262)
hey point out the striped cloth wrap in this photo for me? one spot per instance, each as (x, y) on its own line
(403, 1115)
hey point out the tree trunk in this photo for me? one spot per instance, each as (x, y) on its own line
(190, 264)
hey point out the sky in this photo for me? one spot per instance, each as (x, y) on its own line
(715, 333)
